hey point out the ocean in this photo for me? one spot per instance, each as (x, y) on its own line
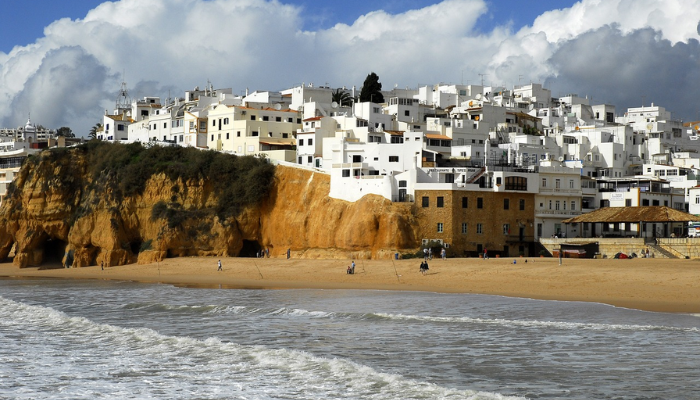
(85, 339)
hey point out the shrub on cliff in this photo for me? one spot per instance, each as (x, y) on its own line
(125, 169)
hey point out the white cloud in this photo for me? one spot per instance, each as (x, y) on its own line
(73, 73)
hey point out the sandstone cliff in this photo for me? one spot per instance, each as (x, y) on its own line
(58, 213)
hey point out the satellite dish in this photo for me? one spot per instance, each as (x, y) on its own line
(334, 105)
(478, 96)
(278, 106)
(561, 159)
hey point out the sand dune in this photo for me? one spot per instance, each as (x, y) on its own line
(646, 284)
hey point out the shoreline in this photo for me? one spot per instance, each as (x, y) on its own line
(659, 285)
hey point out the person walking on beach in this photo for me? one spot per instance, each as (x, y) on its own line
(423, 267)
(430, 253)
(353, 266)
(425, 254)
(102, 265)
(220, 269)
(443, 253)
(486, 254)
(289, 253)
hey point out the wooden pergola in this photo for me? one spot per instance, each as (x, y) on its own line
(665, 216)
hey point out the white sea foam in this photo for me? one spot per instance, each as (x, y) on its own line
(107, 361)
(547, 324)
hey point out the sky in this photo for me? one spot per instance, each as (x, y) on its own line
(63, 61)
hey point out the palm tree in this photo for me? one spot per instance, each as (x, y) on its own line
(94, 130)
(342, 97)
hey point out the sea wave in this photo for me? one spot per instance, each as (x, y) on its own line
(537, 324)
(296, 312)
(151, 364)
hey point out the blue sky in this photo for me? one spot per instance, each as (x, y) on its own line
(63, 61)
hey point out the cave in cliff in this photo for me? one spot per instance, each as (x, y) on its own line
(250, 248)
(54, 250)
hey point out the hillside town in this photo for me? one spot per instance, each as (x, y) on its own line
(486, 167)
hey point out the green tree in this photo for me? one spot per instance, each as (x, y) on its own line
(342, 97)
(94, 130)
(372, 89)
(64, 131)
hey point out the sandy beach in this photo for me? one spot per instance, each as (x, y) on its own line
(647, 284)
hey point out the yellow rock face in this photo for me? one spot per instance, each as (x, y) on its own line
(51, 221)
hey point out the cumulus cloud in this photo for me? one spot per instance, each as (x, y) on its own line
(612, 50)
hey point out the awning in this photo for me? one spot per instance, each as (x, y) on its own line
(437, 136)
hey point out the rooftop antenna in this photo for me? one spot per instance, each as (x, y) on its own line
(482, 79)
(123, 100)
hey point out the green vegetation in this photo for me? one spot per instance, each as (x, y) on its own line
(118, 171)
(372, 89)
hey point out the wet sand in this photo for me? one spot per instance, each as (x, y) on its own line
(646, 284)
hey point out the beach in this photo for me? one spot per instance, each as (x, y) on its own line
(664, 285)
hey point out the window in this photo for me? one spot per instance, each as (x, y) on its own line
(557, 205)
(252, 118)
(254, 133)
(301, 142)
(203, 125)
(402, 184)
(479, 229)
(266, 118)
(571, 183)
(439, 227)
(212, 138)
(464, 228)
(628, 202)
(573, 205)
(506, 229)
(440, 201)
(522, 204)
(278, 119)
(426, 201)
(227, 135)
(449, 178)
(516, 183)
(310, 159)
(407, 113)
(544, 182)
(393, 158)
(346, 173)
(506, 204)
(465, 201)
(120, 127)
(311, 142)
(557, 184)
(479, 202)
(238, 134)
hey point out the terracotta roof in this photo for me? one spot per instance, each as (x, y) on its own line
(634, 214)
(437, 136)
(313, 119)
(395, 133)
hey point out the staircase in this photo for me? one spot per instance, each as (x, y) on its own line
(476, 175)
(661, 252)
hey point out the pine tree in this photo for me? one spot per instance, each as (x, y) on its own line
(372, 89)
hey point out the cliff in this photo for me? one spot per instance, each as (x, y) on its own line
(59, 210)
